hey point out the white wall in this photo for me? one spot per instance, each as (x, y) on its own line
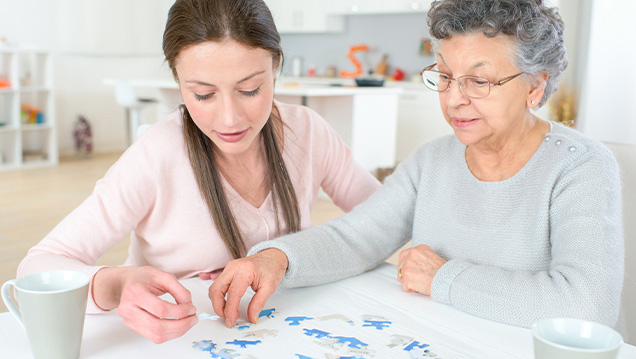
(91, 40)
(608, 92)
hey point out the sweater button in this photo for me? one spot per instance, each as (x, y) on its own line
(572, 148)
(558, 142)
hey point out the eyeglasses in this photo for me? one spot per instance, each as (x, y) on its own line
(471, 86)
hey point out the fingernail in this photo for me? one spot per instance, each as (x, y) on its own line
(192, 311)
(228, 323)
(194, 321)
(255, 319)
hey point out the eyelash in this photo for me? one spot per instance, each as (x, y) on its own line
(252, 93)
(246, 93)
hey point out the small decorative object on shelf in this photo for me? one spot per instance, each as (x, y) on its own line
(563, 107)
(83, 137)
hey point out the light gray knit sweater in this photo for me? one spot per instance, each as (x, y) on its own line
(547, 242)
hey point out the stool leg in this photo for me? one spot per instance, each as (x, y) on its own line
(129, 133)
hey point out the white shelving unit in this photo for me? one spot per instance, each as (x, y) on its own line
(27, 115)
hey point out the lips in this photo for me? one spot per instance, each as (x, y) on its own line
(459, 122)
(232, 136)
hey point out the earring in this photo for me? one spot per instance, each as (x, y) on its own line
(532, 102)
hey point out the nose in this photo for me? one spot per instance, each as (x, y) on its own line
(227, 112)
(455, 96)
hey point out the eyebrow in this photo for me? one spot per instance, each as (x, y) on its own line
(203, 83)
(479, 64)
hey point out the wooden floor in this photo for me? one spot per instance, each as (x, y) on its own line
(33, 201)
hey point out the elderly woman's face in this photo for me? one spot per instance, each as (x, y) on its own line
(491, 119)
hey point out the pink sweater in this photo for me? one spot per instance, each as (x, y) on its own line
(152, 192)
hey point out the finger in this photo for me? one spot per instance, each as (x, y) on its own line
(169, 284)
(217, 292)
(211, 275)
(156, 329)
(258, 302)
(234, 294)
(166, 310)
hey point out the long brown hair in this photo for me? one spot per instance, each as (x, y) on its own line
(250, 23)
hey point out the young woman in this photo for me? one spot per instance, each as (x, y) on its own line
(230, 169)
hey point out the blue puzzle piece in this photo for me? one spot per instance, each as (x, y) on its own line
(204, 345)
(224, 354)
(296, 320)
(379, 325)
(353, 342)
(244, 343)
(415, 344)
(269, 313)
(318, 333)
(300, 356)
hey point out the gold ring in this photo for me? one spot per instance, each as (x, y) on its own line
(400, 273)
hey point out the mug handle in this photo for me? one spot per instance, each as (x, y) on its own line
(8, 300)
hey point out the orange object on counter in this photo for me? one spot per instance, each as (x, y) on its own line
(355, 61)
(4, 83)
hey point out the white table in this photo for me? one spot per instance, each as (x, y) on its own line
(364, 117)
(449, 332)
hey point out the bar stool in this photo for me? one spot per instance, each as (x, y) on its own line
(125, 96)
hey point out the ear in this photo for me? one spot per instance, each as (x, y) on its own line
(537, 89)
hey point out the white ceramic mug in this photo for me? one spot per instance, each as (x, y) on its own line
(568, 338)
(51, 307)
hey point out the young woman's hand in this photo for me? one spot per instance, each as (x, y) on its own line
(262, 271)
(135, 292)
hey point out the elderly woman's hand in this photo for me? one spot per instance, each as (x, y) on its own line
(417, 268)
(262, 271)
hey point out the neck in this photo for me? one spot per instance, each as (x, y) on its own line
(500, 159)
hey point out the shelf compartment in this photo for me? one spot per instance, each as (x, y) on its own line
(9, 149)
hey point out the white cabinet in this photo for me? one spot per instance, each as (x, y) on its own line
(27, 122)
(302, 16)
(352, 7)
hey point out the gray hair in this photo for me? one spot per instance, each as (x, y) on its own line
(537, 31)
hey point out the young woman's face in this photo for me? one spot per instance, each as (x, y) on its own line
(228, 89)
(493, 118)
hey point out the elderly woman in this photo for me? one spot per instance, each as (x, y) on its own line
(513, 218)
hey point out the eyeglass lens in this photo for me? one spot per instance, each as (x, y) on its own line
(474, 87)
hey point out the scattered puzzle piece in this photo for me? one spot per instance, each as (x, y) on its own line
(269, 313)
(244, 343)
(316, 332)
(365, 352)
(353, 342)
(204, 345)
(303, 356)
(415, 344)
(262, 333)
(379, 325)
(224, 354)
(372, 317)
(338, 317)
(418, 353)
(399, 340)
(242, 325)
(329, 356)
(329, 343)
(296, 320)
(208, 316)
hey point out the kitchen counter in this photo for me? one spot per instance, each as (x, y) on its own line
(364, 117)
